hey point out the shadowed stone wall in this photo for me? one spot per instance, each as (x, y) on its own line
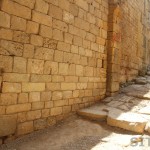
(54, 56)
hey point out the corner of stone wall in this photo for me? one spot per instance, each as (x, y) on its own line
(113, 49)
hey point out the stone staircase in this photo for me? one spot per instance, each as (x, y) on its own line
(129, 110)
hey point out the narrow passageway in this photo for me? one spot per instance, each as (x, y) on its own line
(121, 122)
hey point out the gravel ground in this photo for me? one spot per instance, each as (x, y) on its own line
(78, 134)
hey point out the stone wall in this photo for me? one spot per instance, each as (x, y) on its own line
(52, 61)
(54, 56)
(135, 37)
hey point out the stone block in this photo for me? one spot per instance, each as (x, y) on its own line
(16, 9)
(68, 17)
(58, 57)
(66, 109)
(40, 124)
(45, 31)
(58, 35)
(18, 108)
(68, 38)
(71, 79)
(60, 103)
(55, 12)
(72, 69)
(81, 86)
(35, 66)
(2, 110)
(67, 94)
(57, 95)
(76, 93)
(128, 121)
(42, 18)
(28, 51)
(21, 37)
(33, 87)
(49, 104)
(11, 87)
(37, 105)
(45, 113)
(64, 4)
(56, 111)
(83, 4)
(51, 121)
(6, 34)
(41, 6)
(41, 78)
(51, 68)
(36, 40)
(25, 128)
(53, 86)
(8, 99)
(6, 63)
(32, 27)
(18, 23)
(60, 25)
(74, 9)
(14, 77)
(20, 65)
(27, 3)
(12, 48)
(79, 70)
(77, 41)
(46, 96)
(44, 53)
(63, 68)
(23, 98)
(4, 20)
(33, 115)
(8, 125)
(22, 117)
(68, 86)
(93, 114)
(56, 78)
(34, 97)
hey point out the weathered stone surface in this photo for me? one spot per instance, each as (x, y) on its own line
(145, 110)
(139, 94)
(25, 128)
(148, 73)
(93, 114)
(16, 9)
(141, 81)
(12, 48)
(8, 125)
(128, 121)
(4, 20)
(11, 87)
(33, 87)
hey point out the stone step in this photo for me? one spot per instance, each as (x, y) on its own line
(114, 117)
(93, 114)
(127, 120)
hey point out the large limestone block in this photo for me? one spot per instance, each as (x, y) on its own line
(128, 121)
(93, 114)
(7, 125)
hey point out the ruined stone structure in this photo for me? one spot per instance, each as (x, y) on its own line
(57, 56)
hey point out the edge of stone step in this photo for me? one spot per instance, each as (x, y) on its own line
(127, 120)
(92, 114)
